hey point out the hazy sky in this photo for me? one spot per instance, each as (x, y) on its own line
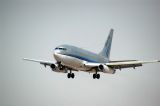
(34, 28)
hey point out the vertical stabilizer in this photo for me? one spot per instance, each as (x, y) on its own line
(107, 47)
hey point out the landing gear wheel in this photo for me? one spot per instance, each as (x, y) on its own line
(98, 76)
(72, 75)
(68, 75)
(94, 76)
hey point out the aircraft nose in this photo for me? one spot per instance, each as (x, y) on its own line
(56, 53)
(56, 50)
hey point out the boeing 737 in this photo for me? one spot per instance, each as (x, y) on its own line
(70, 58)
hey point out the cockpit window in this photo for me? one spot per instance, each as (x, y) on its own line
(60, 48)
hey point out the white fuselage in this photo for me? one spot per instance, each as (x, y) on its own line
(75, 63)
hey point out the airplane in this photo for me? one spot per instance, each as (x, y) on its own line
(70, 58)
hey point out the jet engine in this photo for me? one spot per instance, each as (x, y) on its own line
(58, 68)
(53, 66)
(104, 68)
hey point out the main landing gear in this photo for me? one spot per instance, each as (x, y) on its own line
(96, 76)
(70, 75)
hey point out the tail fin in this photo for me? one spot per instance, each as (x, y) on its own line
(107, 47)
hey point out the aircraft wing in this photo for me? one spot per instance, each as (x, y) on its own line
(45, 63)
(128, 63)
(54, 66)
(122, 64)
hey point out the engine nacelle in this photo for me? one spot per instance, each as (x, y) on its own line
(106, 69)
(53, 66)
(57, 68)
